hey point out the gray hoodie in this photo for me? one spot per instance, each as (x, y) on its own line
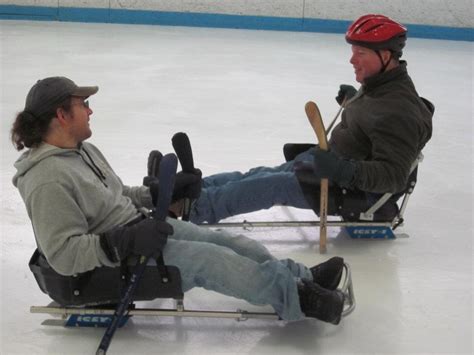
(73, 195)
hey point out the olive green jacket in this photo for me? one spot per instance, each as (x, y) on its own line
(383, 129)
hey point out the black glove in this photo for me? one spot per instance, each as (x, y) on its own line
(345, 91)
(146, 238)
(187, 185)
(329, 165)
(304, 171)
(303, 166)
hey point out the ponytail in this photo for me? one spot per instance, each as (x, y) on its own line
(29, 129)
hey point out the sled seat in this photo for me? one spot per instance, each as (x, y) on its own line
(89, 299)
(104, 285)
(354, 205)
(100, 315)
(362, 214)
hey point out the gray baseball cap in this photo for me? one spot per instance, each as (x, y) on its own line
(47, 93)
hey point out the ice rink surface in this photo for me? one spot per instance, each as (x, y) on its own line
(240, 96)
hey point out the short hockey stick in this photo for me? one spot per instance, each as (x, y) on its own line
(343, 104)
(153, 167)
(314, 117)
(167, 171)
(182, 147)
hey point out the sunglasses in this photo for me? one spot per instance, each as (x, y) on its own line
(83, 103)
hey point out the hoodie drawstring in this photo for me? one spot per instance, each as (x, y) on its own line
(93, 167)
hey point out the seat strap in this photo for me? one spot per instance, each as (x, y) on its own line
(369, 214)
(162, 269)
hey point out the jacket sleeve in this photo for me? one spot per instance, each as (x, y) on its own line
(140, 195)
(395, 140)
(61, 231)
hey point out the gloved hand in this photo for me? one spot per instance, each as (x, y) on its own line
(304, 171)
(303, 166)
(146, 238)
(329, 165)
(345, 91)
(186, 185)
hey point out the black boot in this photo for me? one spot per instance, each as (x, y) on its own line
(319, 303)
(329, 273)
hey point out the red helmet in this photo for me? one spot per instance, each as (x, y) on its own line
(377, 32)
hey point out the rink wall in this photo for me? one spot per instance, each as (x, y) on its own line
(441, 19)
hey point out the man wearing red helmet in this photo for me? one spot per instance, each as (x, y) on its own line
(384, 126)
(375, 34)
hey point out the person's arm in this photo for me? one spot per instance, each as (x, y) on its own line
(395, 140)
(140, 195)
(61, 231)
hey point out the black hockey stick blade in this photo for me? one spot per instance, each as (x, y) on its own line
(169, 164)
(183, 150)
(153, 167)
(167, 172)
(182, 147)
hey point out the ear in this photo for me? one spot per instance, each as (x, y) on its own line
(62, 116)
(386, 56)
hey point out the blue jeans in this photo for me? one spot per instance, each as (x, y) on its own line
(236, 266)
(228, 194)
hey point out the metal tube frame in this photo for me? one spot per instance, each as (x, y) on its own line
(249, 225)
(179, 310)
(366, 217)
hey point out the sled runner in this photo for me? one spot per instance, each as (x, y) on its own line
(362, 215)
(90, 299)
(106, 296)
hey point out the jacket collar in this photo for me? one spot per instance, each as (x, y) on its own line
(382, 78)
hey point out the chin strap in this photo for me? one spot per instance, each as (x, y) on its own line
(384, 65)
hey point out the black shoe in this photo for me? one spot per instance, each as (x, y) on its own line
(329, 273)
(319, 303)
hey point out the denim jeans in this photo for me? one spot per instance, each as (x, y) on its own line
(228, 194)
(236, 266)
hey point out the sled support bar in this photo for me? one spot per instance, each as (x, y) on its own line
(249, 225)
(179, 311)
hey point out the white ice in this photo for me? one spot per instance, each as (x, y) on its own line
(240, 95)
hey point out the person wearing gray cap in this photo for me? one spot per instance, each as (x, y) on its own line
(84, 218)
(47, 98)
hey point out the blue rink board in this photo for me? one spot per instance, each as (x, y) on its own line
(149, 17)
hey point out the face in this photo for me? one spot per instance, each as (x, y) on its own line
(366, 62)
(79, 115)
